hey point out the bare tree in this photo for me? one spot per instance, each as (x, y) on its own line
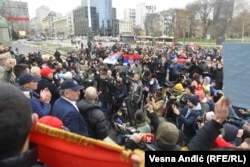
(151, 23)
(137, 30)
(203, 9)
(240, 25)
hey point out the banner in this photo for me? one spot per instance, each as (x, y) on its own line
(112, 59)
(59, 148)
(17, 18)
(236, 71)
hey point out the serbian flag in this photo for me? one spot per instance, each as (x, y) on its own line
(112, 59)
(130, 58)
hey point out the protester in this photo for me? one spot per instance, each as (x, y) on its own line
(17, 120)
(66, 110)
(40, 103)
(92, 113)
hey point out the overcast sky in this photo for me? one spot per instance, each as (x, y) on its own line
(64, 6)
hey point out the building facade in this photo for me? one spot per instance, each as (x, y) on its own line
(141, 11)
(130, 14)
(85, 3)
(70, 24)
(104, 10)
(17, 16)
(81, 21)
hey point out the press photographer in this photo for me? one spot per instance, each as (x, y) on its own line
(124, 128)
(166, 136)
(135, 94)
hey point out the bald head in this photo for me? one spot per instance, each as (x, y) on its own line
(90, 94)
(35, 71)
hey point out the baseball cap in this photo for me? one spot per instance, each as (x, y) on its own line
(27, 78)
(46, 71)
(70, 84)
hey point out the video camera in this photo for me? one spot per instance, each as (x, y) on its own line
(148, 138)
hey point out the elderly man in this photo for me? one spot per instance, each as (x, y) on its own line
(66, 110)
(39, 102)
(93, 114)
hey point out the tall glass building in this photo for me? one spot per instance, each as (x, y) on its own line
(104, 10)
(85, 3)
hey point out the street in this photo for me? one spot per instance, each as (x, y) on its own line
(23, 48)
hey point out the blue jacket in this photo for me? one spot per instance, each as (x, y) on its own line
(42, 109)
(187, 122)
(70, 117)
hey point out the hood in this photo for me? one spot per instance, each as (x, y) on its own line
(84, 106)
(197, 107)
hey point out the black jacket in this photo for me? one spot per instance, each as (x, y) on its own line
(204, 138)
(95, 119)
(27, 159)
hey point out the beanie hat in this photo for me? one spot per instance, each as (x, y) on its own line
(140, 116)
(194, 100)
(191, 88)
(51, 121)
(178, 87)
(46, 71)
(229, 132)
(167, 133)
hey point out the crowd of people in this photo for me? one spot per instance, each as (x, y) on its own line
(173, 92)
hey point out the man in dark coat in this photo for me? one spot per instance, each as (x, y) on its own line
(47, 82)
(93, 114)
(66, 110)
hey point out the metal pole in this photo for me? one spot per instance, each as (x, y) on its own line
(89, 14)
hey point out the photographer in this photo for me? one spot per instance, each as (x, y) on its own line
(122, 125)
(119, 93)
(135, 93)
(105, 88)
(157, 102)
(167, 135)
(187, 117)
(204, 138)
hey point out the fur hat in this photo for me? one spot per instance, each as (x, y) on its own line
(167, 133)
(194, 100)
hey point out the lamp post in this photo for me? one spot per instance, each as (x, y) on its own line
(90, 32)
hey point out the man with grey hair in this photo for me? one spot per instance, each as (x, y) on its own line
(36, 71)
(93, 114)
(66, 110)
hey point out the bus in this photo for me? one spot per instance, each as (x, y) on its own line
(144, 40)
(127, 38)
(171, 41)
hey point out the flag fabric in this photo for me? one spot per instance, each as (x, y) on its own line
(130, 58)
(112, 59)
(60, 148)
